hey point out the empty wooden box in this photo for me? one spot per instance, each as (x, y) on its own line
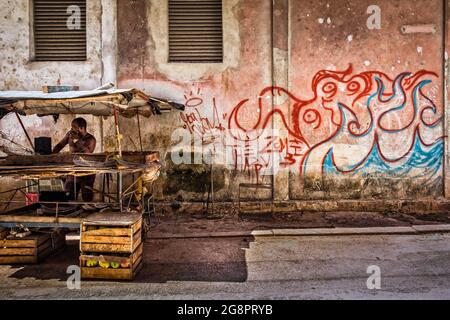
(31, 249)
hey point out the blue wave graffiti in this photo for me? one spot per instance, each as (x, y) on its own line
(428, 160)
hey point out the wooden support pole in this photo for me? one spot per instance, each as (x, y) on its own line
(25, 130)
(139, 130)
(118, 136)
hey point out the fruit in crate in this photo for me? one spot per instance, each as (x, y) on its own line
(104, 265)
(91, 263)
(115, 265)
(125, 265)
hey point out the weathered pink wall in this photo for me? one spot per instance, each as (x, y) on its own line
(341, 41)
(359, 111)
(210, 97)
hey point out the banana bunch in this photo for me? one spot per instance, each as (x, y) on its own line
(91, 263)
(107, 265)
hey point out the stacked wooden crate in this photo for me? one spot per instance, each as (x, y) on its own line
(30, 249)
(111, 246)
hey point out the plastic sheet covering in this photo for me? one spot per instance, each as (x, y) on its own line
(128, 102)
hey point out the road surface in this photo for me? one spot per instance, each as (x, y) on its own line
(310, 267)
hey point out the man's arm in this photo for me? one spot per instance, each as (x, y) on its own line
(61, 144)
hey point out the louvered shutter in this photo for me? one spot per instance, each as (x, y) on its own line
(195, 31)
(53, 40)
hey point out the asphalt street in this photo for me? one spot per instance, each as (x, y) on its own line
(305, 267)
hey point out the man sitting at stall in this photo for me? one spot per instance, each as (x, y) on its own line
(79, 141)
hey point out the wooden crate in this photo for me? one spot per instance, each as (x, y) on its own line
(134, 262)
(111, 237)
(3, 233)
(99, 238)
(31, 249)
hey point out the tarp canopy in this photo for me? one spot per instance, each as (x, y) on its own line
(97, 102)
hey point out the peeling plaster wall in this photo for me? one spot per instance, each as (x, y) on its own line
(375, 130)
(332, 139)
(18, 71)
(388, 146)
(210, 90)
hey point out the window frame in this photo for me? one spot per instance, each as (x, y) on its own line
(196, 61)
(34, 57)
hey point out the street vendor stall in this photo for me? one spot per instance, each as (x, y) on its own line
(140, 167)
(112, 225)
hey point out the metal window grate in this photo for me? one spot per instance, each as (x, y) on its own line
(53, 39)
(195, 31)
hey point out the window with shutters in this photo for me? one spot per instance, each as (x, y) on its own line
(59, 30)
(195, 31)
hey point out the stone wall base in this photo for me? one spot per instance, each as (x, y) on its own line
(263, 207)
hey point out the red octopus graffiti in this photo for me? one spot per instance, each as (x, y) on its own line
(349, 115)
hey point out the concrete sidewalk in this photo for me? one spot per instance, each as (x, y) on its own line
(297, 224)
(421, 229)
(301, 224)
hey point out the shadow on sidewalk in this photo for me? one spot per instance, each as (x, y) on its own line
(54, 267)
(205, 259)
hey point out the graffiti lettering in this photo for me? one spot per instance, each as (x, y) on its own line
(355, 122)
